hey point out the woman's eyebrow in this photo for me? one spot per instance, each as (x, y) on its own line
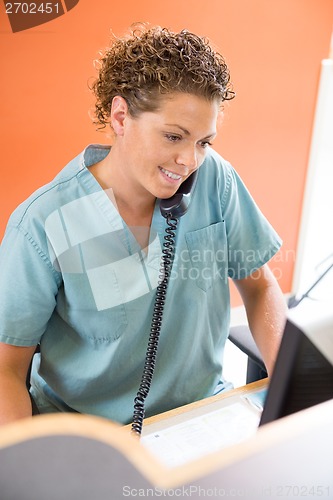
(186, 132)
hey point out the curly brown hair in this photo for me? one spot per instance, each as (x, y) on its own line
(150, 62)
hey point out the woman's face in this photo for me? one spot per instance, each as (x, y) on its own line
(159, 150)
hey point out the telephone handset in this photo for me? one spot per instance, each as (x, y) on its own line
(178, 204)
(172, 209)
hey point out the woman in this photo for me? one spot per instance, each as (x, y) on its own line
(81, 257)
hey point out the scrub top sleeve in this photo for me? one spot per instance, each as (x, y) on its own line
(28, 289)
(252, 241)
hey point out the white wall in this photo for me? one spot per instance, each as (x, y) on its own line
(316, 230)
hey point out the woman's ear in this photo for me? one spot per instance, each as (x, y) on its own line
(118, 113)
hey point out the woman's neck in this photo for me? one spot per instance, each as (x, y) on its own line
(136, 209)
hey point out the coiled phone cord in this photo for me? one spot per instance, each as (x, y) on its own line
(156, 323)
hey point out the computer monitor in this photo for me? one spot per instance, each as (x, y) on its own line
(303, 373)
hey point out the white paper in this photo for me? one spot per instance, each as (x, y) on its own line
(181, 443)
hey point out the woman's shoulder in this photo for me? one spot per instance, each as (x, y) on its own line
(71, 182)
(42, 201)
(216, 171)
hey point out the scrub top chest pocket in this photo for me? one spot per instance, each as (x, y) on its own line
(208, 255)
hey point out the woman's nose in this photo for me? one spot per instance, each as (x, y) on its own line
(188, 157)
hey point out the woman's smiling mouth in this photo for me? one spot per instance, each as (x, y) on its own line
(170, 175)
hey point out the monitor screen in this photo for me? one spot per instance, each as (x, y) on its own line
(303, 373)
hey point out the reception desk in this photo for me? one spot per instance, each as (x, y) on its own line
(71, 456)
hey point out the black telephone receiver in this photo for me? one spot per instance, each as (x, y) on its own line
(178, 204)
(172, 209)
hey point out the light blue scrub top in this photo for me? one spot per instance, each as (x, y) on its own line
(74, 279)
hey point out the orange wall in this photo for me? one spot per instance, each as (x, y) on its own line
(273, 47)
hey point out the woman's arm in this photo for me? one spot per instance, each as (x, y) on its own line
(266, 312)
(15, 401)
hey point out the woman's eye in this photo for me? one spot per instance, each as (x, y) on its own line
(205, 144)
(173, 138)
